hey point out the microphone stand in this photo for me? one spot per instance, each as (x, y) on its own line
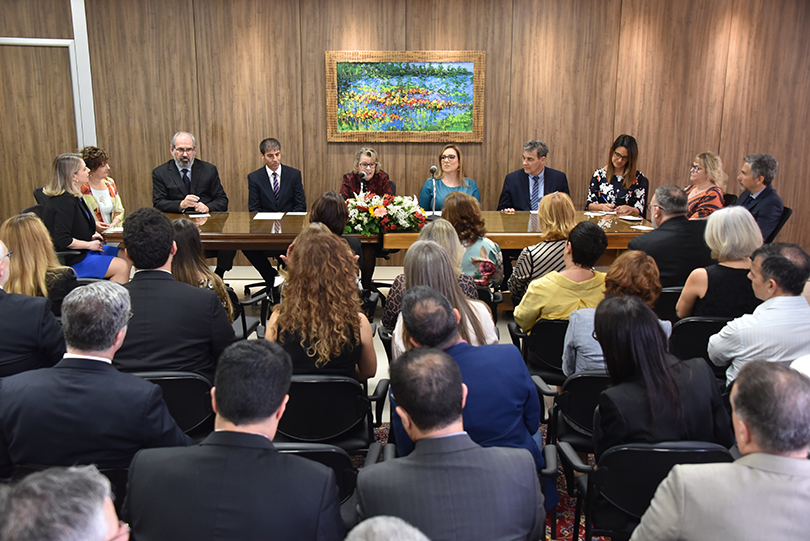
(433, 210)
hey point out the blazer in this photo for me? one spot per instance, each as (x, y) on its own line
(515, 193)
(452, 488)
(168, 189)
(81, 411)
(67, 217)
(766, 208)
(625, 415)
(174, 326)
(31, 335)
(762, 493)
(261, 197)
(677, 247)
(231, 486)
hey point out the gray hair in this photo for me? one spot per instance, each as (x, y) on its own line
(671, 199)
(732, 233)
(268, 144)
(536, 145)
(93, 314)
(385, 528)
(193, 139)
(774, 402)
(762, 165)
(58, 504)
(444, 234)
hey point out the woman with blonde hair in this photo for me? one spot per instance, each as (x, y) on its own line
(442, 232)
(556, 217)
(428, 264)
(73, 227)
(723, 289)
(633, 273)
(319, 322)
(708, 180)
(34, 270)
(482, 257)
(450, 179)
(189, 266)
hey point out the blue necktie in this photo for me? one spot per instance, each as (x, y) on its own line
(535, 192)
(186, 180)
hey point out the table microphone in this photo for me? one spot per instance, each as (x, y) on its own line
(433, 170)
(362, 175)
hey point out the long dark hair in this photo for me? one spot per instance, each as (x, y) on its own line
(631, 167)
(634, 345)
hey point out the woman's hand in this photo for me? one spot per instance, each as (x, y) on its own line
(602, 207)
(101, 227)
(624, 210)
(95, 245)
(286, 258)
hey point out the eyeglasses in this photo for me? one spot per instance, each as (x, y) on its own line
(123, 529)
(696, 168)
(367, 165)
(184, 150)
(8, 255)
(620, 157)
(449, 157)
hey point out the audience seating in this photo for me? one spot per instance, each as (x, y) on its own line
(690, 339)
(244, 325)
(385, 338)
(618, 491)
(118, 480)
(729, 199)
(542, 349)
(188, 397)
(332, 409)
(665, 305)
(491, 299)
(39, 196)
(786, 212)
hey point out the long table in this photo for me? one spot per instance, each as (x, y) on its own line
(238, 230)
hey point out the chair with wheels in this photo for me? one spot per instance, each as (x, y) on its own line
(665, 305)
(188, 397)
(690, 339)
(244, 325)
(619, 490)
(729, 199)
(543, 348)
(786, 213)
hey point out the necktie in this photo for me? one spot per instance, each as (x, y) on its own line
(535, 192)
(186, 180)
(275, 185)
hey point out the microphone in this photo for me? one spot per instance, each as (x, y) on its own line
(433, 169)
(362, 175)
(433, 178)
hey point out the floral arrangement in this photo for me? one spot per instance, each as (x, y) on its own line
(371, 214)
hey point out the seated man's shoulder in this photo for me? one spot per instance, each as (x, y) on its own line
(15, 301)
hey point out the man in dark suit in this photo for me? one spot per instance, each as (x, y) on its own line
(523, 189)
(677, 244)
(759, 197)
(449, 487)
(174, 326)
(235, 484)
(84, 411)
(273, 188)
(186, 185)
(31, 336)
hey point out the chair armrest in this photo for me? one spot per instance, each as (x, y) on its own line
(253, 300)
(571, 458)
(516, 333)
(389, 452)
(373, 329)
(497, 297)
(543, 387)
(550, 455)
(380, 396)
(374, 453)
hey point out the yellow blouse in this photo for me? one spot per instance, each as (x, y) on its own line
(554, 297)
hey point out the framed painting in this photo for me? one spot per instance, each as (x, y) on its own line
(405, 96)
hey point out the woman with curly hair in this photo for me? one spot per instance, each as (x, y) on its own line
(100, 192)
(189, 266)
(35, 271)
(707, 180)
(482, 258)
(319, 322)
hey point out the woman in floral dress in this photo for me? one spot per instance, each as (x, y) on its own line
(619, 186)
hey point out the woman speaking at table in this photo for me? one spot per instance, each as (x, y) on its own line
(73, 227)
(450, 179)
(619, 186)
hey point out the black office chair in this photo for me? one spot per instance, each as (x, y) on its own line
(729, 199)
(690, 339)
(665, 305)
(40, 196)
(786, 213)
(619, 490)
(118, 479)
(490, 299)
(543, 348)
(385, 337)
(332, 409)
(188, 397)
(37, 210)
(244, 325)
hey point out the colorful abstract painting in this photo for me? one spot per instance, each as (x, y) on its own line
(406, 97)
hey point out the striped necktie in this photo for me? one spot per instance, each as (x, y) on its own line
(535, 192)
(275, 185)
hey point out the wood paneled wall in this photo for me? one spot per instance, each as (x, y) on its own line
(682, 77)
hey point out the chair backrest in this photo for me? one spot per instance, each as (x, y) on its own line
(37, 209)
(325, 407)
(40, 196)
(329, 455)
(187, 395)
(665, 304)
(786, 212)
(579, 398)
(729, 199)
(385, 338)
(629, 475)
(393, 187)
(544, 346)
(690, 339)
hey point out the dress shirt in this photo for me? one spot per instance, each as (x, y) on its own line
(91, 357)
(270, 175)
(542, 175)
(778, 331)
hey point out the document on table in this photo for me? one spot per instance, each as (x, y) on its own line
(296, 214)
(642, 227)
(198, 215)
(268, 216)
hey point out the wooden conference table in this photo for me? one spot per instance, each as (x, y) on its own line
(239, 231)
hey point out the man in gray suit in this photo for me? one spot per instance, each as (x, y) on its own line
(767, 490)
(449, 487)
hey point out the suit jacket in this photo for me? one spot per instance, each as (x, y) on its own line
(451, 488)
(31, 336)
(174, 326)
(515, 193)
(67, 217)
(677, 247)
(762, 493)
(261, 197)
(231, 486)
(168, 188)
(766, 208)
(625, 415)
(81, 411)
